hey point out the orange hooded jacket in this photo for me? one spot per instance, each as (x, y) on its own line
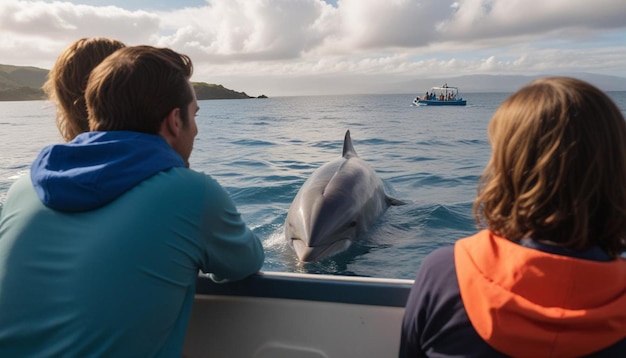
(528, 303)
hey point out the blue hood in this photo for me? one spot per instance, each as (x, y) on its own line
(97, 167)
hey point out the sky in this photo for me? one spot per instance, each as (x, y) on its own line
(317, 47)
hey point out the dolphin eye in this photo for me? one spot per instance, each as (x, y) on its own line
(352, 224)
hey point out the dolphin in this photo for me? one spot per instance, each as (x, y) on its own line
(334, 206)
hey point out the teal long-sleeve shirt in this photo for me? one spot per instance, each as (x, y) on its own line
(119, 280)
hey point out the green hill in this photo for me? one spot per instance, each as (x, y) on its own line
(212, 91)
(23, 83)
(19, 83)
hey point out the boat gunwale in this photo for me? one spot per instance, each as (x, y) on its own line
(313, 287)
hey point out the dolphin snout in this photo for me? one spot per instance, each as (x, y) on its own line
(307, 253)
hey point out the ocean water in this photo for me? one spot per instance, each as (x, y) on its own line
(262, 151)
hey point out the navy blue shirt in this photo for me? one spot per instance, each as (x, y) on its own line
(435, 321)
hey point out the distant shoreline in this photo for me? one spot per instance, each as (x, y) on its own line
(204, 91)
(24, 83)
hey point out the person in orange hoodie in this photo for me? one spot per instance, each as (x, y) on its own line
(547, 275)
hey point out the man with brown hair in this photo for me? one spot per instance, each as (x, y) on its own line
(101, 247)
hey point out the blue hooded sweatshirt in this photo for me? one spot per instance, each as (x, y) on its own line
(97, 167)
(101, 246)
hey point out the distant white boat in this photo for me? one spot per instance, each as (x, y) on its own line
(441, 96)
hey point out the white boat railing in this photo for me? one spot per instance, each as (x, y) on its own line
(276, 315)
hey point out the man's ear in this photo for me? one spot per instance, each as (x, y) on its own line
(171, 125)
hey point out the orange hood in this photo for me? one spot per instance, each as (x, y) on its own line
(528, 303)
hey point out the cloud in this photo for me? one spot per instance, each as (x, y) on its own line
(371, 24)
(40, 30)
(474, 19)
(248, 30)
(272, 40)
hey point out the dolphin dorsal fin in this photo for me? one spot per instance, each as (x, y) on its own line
(348, 149)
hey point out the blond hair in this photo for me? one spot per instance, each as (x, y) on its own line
(558, 167)
(67, 81)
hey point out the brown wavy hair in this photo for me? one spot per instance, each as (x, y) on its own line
(137, 87)
(558, 167)
(67, 81)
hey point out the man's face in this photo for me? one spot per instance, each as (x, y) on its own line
(189, 132)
